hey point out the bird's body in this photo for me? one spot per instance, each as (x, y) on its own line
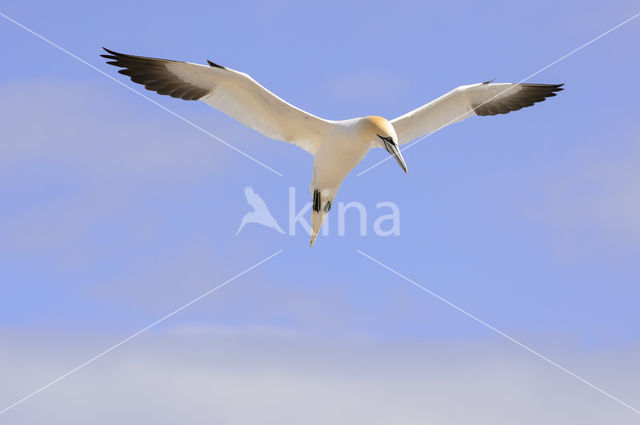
(341, 150)
(337, 146)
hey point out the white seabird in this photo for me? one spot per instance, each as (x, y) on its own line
(337, 146)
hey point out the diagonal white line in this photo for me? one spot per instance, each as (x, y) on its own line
(141, 331)
(175, 114)
(515, 341)
(544, 68)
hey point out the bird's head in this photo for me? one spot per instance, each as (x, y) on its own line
(382, 133)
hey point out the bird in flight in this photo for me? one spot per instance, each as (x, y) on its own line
(337, 146)
(260, 213)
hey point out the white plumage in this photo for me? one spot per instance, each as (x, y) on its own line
(337, 146)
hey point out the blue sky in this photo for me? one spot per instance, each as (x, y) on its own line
(115, 212)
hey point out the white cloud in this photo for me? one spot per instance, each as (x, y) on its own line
(264, 377)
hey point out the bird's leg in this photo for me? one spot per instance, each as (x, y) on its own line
(316, 200)
(318, 213)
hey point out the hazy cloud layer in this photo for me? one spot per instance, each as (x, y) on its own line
(199, 375)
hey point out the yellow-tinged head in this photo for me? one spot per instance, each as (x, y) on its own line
(379, 126)
(381, 131)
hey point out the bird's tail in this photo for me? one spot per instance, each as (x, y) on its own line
(317, 218)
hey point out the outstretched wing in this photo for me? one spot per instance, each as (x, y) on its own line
(465, 101)
(232, 92)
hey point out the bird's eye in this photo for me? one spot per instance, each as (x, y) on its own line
(385, 139)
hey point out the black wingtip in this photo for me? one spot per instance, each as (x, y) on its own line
(551, 88)
(214, 65)
(555, 88)
(111, 55)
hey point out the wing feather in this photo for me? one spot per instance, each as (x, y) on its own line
(465, 101)
(232, 92)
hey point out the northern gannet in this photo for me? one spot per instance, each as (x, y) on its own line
(337, 146)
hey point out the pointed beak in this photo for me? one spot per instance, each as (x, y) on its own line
(394, 150)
